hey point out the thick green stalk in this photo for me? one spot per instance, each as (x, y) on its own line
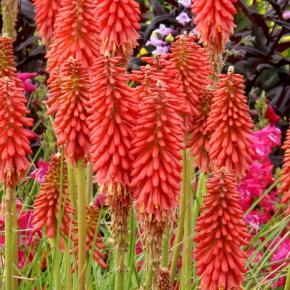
(287, 285)
(10, 235)
(9, 12)
(149, 272)
(179, 231)
(198, 197)
(165, 247)
(81, 209)
(120, 278)
(72, 184)
(185, 280)
(89, 183)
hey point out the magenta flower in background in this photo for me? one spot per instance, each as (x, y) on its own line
(183, 18)
(100, 200)
(271, 116)
(26, 79)
(40, 172)
(259, 177)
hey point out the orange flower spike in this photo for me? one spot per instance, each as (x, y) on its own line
(92, 215)
(285, 179)
(14, 137)
(199, 134)
(113, 113)
(76, 33)
(194, 69)
(71, 120)
(214, 22)
(231, 125)
(45, 16)
(158, 140)
(46, 204)
(119, 21)
(220, 233)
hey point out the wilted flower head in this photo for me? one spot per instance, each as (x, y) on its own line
(119, 21)
(92, 215)
(46, 204)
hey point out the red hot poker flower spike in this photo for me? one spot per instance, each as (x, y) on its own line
(119, 20)
(46, 204)
(231, 125)
(113, 113)
(92, 214)
(45, 15)
(214, 22)
(14, 138)
(71, 120)
(76, 33)
(285, 180)
(157, 144)
(199, 134)
(192, 63)
(221, 232)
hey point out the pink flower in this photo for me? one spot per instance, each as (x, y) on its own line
(26, 79)
(40, 172)
(100, 200)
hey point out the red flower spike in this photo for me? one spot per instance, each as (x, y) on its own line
(159, 69)
(113, 113)
(214, 22)
(54, 91)
(231, 125)
(14, 137)
(71, 120)
(46, 204)
(221, 232)
(285, 179)
(194, 69)
(45, 16)
(119, 21)
(92, 215)
(199, 134)
(76, 34)
(157, 144)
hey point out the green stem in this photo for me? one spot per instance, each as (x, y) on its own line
(89, 183)
(185, 280)
(165, 247)
(81, 208)
(287, 285)
(119, 283)
(149, 272)
(179, 232)
(72, 184)
(9, 12)
(11, 248)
